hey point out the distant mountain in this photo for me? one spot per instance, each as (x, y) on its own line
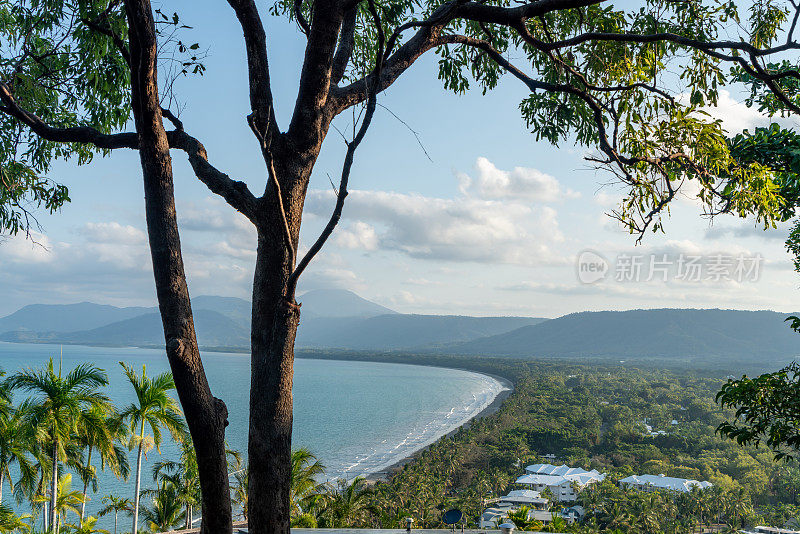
(336, 319)
(213, 329)
(235, 309)
(339, 303)
(400, 331)
(665, 333)
(66, 317)
(330, 318)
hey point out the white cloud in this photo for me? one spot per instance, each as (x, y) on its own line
(18, 249)
(608, 200)
(325, 278)
(359, 235)
(737, 116)
(521, 183)
(113, 233)
(460, 229)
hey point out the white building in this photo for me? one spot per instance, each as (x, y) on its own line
(524, 497)
(564, 482)
(770, 530)
(651, 483)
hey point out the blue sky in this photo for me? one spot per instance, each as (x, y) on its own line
(491, 224)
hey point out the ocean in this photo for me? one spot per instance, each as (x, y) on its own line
(356, 417)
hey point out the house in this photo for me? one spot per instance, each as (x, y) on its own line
(770, 530)
(563, 482)
(498, 514)
(523, 497)
(494, 516)
(651, 483)
(573, 514)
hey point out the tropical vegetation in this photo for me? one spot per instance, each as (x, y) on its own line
(591, 416)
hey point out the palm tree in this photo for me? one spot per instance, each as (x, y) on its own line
(521, 520)
(115, 504)
(348, 505)
(66, 500)
(166, 511)
(16, 441)
(239, 487)
(304, 486)
(738, 504)
(59, 407)
(9, 522)
(155, 408)
(87, 526)
(184, 476)
(100, 431)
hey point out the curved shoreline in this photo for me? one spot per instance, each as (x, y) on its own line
(507, 389)
(381, 473)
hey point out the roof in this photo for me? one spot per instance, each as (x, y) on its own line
(551, 475)
(665, 482)
(523, 496)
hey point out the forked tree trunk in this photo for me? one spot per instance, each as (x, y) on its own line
(274, 325)
(206, 415)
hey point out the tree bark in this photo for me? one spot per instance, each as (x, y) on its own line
(54, 484)
(205, 415)
(86, 483)
(137, 484)
(274, 325)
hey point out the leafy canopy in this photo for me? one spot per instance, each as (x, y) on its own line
(65, 63)
(633, 82)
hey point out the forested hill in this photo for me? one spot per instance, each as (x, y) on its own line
(341, 320)
(664, 334)
(330, 318)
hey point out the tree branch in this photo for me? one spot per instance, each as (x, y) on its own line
(236, 193)
(347, 41)
(255, 39)
(308, 123)
(116, 39)
(427, 37)
(301, 19)
(291, 284)
(75, 134)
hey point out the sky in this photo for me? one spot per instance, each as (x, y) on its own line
(454, 208)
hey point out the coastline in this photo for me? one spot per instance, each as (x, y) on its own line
(508, 388)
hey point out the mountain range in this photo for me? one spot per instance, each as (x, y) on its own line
(330, 318)
(339, 319)
(721, 335)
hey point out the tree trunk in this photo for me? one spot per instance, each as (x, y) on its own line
(115, 521)
(137, 485)
(54, 485)
(2, 470)
(86, 483)
(274, 326)
(205, 415)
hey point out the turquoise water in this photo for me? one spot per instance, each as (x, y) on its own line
(357, 417)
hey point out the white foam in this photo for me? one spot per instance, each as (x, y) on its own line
(427, 431)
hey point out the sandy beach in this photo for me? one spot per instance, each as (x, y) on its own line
(508, 389)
